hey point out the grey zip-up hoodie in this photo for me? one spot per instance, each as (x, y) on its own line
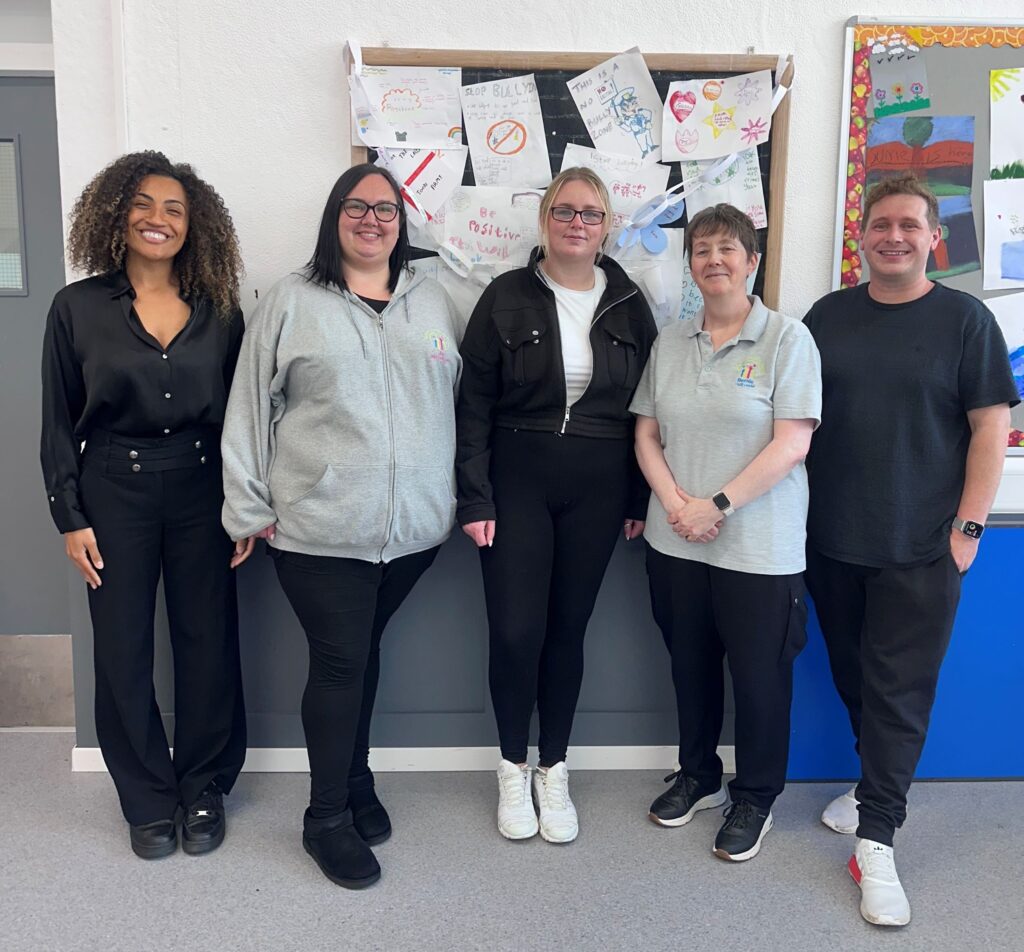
(341, 423)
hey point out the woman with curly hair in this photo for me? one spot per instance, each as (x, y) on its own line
(137, 364)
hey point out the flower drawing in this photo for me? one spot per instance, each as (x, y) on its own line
(754, 131)
(748, 91)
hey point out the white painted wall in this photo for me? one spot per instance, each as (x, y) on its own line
(253, 93)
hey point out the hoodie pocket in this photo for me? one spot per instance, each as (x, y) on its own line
(424, 504)
(796, 627)
(348, 505)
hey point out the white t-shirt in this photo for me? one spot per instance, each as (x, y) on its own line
(576, 310)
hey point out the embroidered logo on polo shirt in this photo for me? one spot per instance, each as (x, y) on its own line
(437, 346)
(747, 373)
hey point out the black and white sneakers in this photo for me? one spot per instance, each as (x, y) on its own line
(677, 805)
(740, 837)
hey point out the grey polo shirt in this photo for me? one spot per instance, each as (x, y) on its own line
(716, 412)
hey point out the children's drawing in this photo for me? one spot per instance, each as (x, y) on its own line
(940, 151)
(739, 185)
(898, 75)
(629, 181)
(620, 106)
(505, 132)
(1006, 143)
(407, 106)
(1009, 312)
(489, 230)
(427, 176)
(1004, 234)
(712, 118)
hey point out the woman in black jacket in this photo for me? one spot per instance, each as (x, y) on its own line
(547, 478)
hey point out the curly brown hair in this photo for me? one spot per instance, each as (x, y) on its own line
(209, 262)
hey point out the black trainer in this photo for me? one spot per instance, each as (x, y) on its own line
(677, 805)
(202, 830)
(370, 818)
(741, 834)
(154, 840)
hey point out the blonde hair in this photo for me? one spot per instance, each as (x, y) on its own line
(576, 174)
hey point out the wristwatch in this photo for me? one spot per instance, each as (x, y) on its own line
(721, 500)
(972, 530)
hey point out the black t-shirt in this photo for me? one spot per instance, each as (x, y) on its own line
(103, 371)
(887, 464)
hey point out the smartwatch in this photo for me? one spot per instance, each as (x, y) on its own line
(721, 500)
(972, 530)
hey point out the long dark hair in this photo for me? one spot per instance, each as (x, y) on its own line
(324, 267)
(209, 262)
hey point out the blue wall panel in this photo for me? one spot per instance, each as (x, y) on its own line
(977, 725)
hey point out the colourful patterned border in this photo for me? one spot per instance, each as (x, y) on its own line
(860, 92)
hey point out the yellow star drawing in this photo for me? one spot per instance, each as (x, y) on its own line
(720, 119)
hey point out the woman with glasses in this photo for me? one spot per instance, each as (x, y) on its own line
(548, 479)
(338, 449)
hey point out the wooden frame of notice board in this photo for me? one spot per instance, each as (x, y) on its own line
(484, 65)
(957, 56)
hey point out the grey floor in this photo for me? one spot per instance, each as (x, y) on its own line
(69, 882)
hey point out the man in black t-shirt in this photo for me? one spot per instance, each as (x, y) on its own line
(916, 397)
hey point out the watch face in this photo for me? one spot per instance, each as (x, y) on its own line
(721, 500)
(972, 529)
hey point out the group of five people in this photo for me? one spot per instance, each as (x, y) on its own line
(357, 419)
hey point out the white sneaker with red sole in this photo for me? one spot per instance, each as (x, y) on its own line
(882, 899)
(841, 814)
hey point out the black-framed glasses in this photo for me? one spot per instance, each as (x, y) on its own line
(589, 216)
(357, 208)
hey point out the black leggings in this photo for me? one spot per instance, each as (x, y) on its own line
(343, 605)
(560, 506)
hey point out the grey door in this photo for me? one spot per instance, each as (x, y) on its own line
(33, 569)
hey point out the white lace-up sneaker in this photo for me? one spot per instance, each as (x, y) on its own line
(516, 817)
(882, 899)
(841, 814)
(558, 820)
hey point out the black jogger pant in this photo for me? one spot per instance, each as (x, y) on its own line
(887, 631)
(560, 505)
(759, 622)
(343, 606)
(159, 511)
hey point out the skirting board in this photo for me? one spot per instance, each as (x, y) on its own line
(388, 759)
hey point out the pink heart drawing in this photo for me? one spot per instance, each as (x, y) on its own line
(682, 104)
(686, 140)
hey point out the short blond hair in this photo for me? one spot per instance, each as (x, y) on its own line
(575, 174)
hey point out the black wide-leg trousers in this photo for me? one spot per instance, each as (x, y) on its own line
(560, 502)
(163, 519)
(758, 622)
(887, 631)
(343, 606)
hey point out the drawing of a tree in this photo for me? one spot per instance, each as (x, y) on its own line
(916, 132)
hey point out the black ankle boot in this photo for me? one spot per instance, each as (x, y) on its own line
(339, 851)
(368, 814)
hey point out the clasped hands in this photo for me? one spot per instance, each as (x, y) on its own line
(696, 520)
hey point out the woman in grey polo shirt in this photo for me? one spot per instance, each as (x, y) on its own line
(725, 412)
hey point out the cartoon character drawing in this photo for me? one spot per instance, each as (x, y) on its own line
(629, 115)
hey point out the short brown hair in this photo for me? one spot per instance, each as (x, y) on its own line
(576, 174)
(721, 217)
(906, 184)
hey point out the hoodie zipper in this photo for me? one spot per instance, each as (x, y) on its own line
(391, 434)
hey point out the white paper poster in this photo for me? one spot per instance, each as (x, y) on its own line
(489, 230)
(709, 118)
(407, 106)
(629, 181)
(739, 185)
(427, 176)
(1006, 143)
(505, 129)
(1004, 234)
(620, 106)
